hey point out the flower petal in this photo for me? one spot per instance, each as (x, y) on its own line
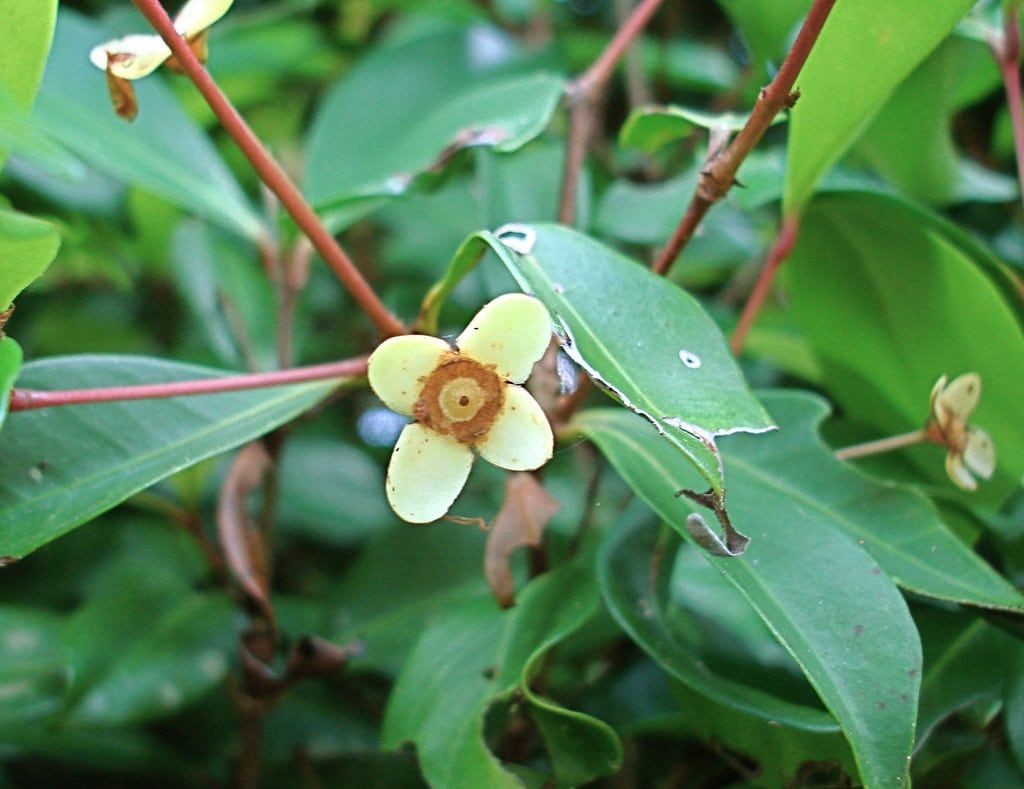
(197, 15)
(520, 438)
(511, 332)
(980, 453)
(958, 472)
(426, 473)
(958, 398)
(398, 364)
(131, 57)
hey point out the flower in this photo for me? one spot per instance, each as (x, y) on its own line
(135, 56)
(462, 400)
(970, 449)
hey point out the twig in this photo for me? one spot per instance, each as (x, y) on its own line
(882, 445)
(779, 252)
(720, 175)
(28, 399)
(583, 94)
(1006, 50)
(272, 174)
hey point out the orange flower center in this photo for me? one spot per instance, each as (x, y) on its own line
(460, 398)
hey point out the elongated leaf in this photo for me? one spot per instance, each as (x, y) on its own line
(640, 602)
(766, 25)
(825, 599)
(163, 150)
(476, 654)
(926, 303)
(10, 366)
(27, 246)
(185, 654)
(651, 128)
(61, 467)
(864, 51)
(21, 64)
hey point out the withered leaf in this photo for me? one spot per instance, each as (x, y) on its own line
(122, 94)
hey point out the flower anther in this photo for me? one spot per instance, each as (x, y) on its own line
(463, 400)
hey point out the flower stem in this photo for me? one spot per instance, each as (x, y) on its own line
(28, 399)
(1006, 49)
(583, 94)
(272, 174)
(882, 445)
(720, 174)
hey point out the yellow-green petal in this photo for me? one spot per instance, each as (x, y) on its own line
(426, 473)
(520, 438)
(980, 453)
(131, 57)
(511, 332)
(959, 398)
(396, 368)
(958, 472)
(197, 15)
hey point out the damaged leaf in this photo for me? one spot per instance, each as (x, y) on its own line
(525, 512)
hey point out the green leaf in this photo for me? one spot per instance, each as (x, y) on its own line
(863, 53)
(641, 602)
(163, 150)
(184, 655)
(10, 366)
(21, 63)
(652, 128)
(822, 596)
(32, 675)
(27, 246)
(926, 302)
(766, 25)
(60, 467)
(477, 654)
(20, 133)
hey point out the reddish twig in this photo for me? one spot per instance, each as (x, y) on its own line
(779, 251)
(272, 174)
(583, 94)
(720, 174)
(1006, 50)
(28, 399)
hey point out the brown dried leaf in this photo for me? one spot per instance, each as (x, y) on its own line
(122, 94)
(242, 543)
(199, 48)
(520, 521)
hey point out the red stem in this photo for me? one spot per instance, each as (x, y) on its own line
(778, 253)
(271, 173)
(28, 399)
(720, 174)
(1007, 54)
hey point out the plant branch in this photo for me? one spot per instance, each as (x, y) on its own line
(28, 399)
(715, 181)
(272, 174)
(882, 445)
(1006, 50)
(779, 252)
(583, 95)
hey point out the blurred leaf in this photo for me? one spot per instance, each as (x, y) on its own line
(60, 467)
(20, 133)
(477, 654)
(163, 150)
(21, 65)
(863, 53)
(10, 367)
(925, 302)
(183, 656)
(852, 635)
(32, 675)
(103, 750)
(634, 571)
(1014, 708)
(652, 128)
(921, 109)
(27, 247)
(767, 26)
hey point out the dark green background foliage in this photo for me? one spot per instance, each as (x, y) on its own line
(870, 634)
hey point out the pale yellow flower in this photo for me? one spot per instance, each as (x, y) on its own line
(970, 450)
(463, 399)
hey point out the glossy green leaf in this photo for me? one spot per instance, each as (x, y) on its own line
(32, 676)
(642, 604)
(652, 128)
(21, 65)
(163, 150)
(863, 53)
(926, 302)
(478, 654)
(10, 366)
(823, 597)
(27, 246)
(62, 466)
(185, 654)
